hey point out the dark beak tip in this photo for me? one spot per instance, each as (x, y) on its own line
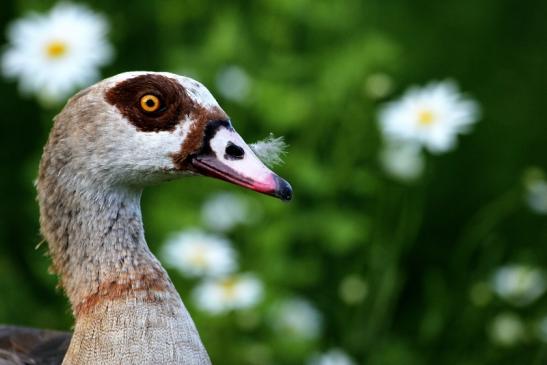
(283, 189)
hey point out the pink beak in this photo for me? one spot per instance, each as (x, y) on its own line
(227, 157)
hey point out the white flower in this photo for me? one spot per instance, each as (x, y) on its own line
(507, 329)
(518, 284)
(296, 318)
(536, 190)
(431, 116)
(480, 294)
(54, 53)
(195, 253)
(233, 83)
(353, 289)
(332, 357)
(378, 85)
(229, 293)
(223, 211)
(541, 329)
(536, 196)
(403, 161)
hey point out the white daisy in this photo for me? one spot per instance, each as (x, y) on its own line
(519, 284)
(431, 116)
(229, 293)
(536, 190)
(507, 329)
(332, 357)
(195, 253)
(296, 317)
(378, 85)
(233, 83)
(223, 211)
(353, 289)
(403, 161)
(536, 196)
(52, 54)
(541, 329)
(480, 294)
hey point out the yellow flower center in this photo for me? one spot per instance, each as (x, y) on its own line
(228, 287)
(56, 49)
(426, 117)
(198, 257)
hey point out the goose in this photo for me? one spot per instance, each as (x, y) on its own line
(109, 142)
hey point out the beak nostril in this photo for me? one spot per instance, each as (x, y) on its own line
(234, 152)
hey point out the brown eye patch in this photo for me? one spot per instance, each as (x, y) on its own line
(152, 103)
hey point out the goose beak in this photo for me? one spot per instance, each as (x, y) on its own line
(227, 157)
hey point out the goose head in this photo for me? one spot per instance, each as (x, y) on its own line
(142, 128)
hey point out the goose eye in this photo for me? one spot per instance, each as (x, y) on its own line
(150, 103)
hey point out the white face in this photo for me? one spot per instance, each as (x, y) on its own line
(156, 126)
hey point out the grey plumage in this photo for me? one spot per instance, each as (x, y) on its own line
(29, 346)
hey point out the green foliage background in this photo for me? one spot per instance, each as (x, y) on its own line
(420, 247)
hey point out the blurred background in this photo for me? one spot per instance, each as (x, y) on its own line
(429, 256)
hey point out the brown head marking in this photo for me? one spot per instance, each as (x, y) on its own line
(175, 103)
(194, 139)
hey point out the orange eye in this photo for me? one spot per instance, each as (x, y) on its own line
(150, 103)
